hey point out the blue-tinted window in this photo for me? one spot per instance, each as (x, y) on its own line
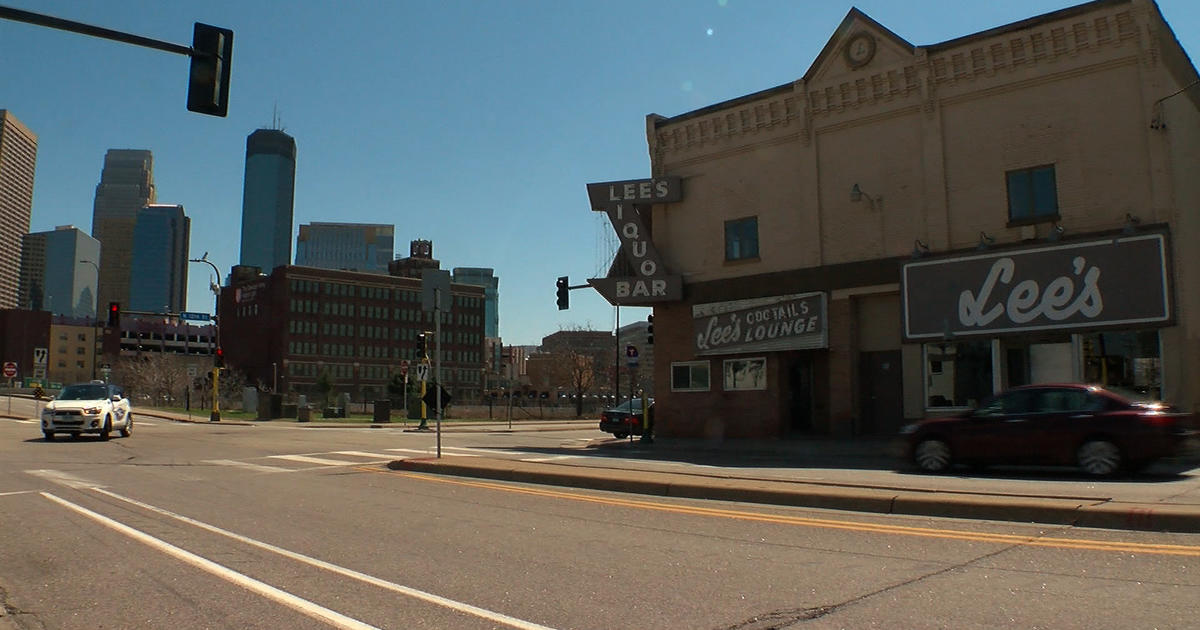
(741, 239)
(1032, 193)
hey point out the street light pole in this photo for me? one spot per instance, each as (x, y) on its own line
(215, 416)
(95, 316)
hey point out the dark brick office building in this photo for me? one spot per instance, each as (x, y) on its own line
(284, 329)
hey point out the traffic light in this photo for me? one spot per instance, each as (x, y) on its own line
(650, 329)
(422, 346)
(219, 358)
(208, 79)
(564, 296)
(114, 314)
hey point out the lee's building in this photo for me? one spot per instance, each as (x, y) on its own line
(907, 229)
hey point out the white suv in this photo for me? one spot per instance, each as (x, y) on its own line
(94, 407)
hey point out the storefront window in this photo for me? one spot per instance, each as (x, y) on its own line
(745, 374)
(958, 374)
(1128, 360)
(691, 376)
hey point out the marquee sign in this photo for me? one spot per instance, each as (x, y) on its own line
(1111, 282)
(769, 324)
(620, 201)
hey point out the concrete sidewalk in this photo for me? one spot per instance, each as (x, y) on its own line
(867, 480)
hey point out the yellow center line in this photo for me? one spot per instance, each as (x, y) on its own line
(902, 530)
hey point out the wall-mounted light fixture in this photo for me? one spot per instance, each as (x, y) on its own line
(1056, 233)
(856, 195)
(920, 249)
(1131, 223)
(985, 240)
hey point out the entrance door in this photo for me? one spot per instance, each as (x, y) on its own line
(881, 395)
(800, 395)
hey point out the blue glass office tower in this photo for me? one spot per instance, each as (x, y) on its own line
(484, 277)
(60, 272)
(158, 275)
(348, 246)
(267, 196)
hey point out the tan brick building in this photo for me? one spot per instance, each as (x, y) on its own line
(907, 229)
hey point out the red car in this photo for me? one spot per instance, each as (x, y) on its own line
(1087, 426)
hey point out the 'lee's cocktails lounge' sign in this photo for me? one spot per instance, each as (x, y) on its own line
(770, 324)
(1102, 283)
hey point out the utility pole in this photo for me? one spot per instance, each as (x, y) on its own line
(218, 354)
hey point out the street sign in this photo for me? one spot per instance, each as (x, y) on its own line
(195, 317)
(422, 372)
(10, 369)
(404, 367)
(40, 355)
(430, 397)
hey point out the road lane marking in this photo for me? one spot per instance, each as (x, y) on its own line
(64, 479)
(308, 459)
(427, 452)
(9, 494)
(301, 605)
(553, 458)
(521, 624)
(378, 456)
(247, 465)
(859, 526)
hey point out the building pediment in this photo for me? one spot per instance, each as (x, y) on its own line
(859, 47)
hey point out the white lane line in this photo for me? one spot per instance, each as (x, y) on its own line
(25, 421)
(8, 494)
(429, 452)
(63, 479)
(307, 459)
(301, 605)
(376, 456)
(490, 451)
(551, 459)
(247, 465)
(350, 573)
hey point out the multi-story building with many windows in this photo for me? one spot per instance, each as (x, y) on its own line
(907, 229)
(59, 272)
(160, 260)
(285, 329)
(363, 247)
(126, 186)
(267, 199)
(18, 157)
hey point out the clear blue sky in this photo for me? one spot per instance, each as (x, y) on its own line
(473, 123)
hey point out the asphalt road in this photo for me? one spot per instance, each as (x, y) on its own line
(273, 526)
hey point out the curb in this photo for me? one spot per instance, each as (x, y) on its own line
(1074, 511)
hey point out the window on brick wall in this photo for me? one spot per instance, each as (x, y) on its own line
(1032, 194)
(741, 239)
(691, 376)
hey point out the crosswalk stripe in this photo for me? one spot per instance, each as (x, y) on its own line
(307, 459)
(64, 478)
(247, 465)
(364, 454)
(428, 452)
(550, 459)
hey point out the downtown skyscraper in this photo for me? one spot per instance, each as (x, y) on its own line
(348, 246)
(267, 199)
(18, 156)
(126, 186)
(59, 272)
(160, 258)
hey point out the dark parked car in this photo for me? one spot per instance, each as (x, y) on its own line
(1097, 429)
(625, 419)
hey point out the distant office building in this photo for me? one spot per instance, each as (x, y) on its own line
(267, 199)
(160, 258)
(365, 247)
(18, 156)
(484, 277)
(420, 257)
(126, 186)
(59, 272)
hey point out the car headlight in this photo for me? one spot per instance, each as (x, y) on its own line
(908, 429)
(91, 411)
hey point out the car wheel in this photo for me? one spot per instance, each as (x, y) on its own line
(106, 429)
(932, 456)
(49, 435)
(127, 430)
(620, 436)
(1099, 457)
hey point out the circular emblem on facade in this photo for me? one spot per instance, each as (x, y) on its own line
(860, 48)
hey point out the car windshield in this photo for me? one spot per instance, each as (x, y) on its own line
(83, 392)
(635, 405)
